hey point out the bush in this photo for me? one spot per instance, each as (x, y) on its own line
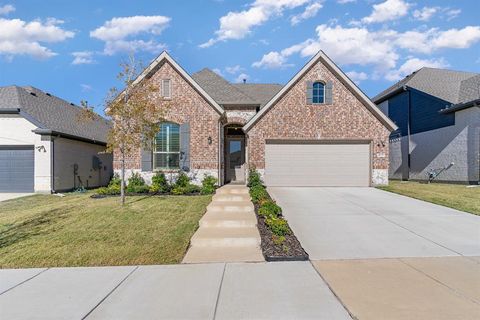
(159, 183)
(116, 181)
(138, 189)
(134, 181)
(108, 191)
(182, 180)
(278, 226)
(208, 185)
(258, 193)
(189, 189)
(269, 209)
(254, 178)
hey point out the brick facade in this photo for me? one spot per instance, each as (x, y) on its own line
(186, 105)
(291, 118)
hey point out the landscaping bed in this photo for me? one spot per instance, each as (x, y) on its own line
(278, 242)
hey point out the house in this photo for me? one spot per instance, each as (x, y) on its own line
(319, 129)
(47, 146)
(438, 117)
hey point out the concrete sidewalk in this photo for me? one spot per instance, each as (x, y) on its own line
(288, 290)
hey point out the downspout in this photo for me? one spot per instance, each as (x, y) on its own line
(219, 155)
(409, 109)
(52, 177)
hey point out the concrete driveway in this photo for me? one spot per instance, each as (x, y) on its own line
(9, 196)
(356, 223)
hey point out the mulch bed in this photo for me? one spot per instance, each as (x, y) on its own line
(102, 196)
(288, 250)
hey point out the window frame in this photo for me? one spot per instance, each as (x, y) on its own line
(169, 81)
(156, 153)
(318, 96)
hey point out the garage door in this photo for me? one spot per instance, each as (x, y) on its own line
(316, 164)
(16, 169)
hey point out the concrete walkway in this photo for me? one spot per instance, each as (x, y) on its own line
(288, 290)
(228, 230)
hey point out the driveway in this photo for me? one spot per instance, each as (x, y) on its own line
(9, 196)
(356, 223)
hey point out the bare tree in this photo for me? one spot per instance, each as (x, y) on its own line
(135, 113)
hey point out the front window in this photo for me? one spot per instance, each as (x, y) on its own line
(318, 92)
(166, 149)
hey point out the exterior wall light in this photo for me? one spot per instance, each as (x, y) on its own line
(209, 140)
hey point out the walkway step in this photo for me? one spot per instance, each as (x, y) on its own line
(236, 190)
(226, 237)
(228, 220)
(222, 254)
(231, 197)
(238, 206)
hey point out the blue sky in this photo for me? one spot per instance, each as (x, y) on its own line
(73, 48)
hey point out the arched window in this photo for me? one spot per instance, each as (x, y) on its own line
(318, 95)
(166, 149)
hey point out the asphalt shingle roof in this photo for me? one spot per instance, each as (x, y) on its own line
(224, 92)
(53, 113)
(441, 83)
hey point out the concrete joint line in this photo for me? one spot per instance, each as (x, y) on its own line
(456, 292)
(219, 291)
(405, 228)
(333, 292)
(18, 284)
(108, 294)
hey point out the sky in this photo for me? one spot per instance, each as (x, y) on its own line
(73, 49)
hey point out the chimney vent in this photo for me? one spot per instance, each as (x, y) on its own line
(244, 81)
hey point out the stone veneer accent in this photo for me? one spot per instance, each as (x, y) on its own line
(346, 119)
(186, 105)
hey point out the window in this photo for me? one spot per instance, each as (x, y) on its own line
(166, 148)
(166, 88)
(318, 95)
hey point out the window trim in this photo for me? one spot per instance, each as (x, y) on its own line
(169, 96)
(324, 84)
(156, 153)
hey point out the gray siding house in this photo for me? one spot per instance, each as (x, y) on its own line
(437, 112)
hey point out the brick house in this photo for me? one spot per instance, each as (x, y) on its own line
(319, 129)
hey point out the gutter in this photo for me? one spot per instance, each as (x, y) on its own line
(391, 94)
(460, 106)
(48, 132)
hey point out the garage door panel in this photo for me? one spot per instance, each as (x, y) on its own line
(16, 169)
(317, 164)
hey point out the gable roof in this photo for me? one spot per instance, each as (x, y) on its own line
(440, 83)
(321, 56)
(52, 113)
(260, 92)
(164, 56)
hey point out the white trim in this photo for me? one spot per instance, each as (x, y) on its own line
(165, 56)
(342, 76)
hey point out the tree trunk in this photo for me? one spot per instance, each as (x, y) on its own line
(122, 180)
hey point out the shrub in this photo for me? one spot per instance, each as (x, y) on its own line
(138, 189)
(134, 181)
(278, 240)
(278, 226)
(254, 178)
(258, 193)
(189, 189)
(116, 181)
(269, 209)
(108, 191)
(182, 180)
(159, 183)
(208, 185)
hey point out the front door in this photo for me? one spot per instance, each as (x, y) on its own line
(235, 159)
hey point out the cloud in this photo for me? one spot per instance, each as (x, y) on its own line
(345, 1)
(237, 25)
(357, 77)
(387, 11)
(452, 13)
(310, 11)
(233, 70)
(82, 57)
(18, 37)
(218, 71)
(86, 87)
(425, 13)
(241, 77)
(413, 64)
(6, 9)
(272, 60)
(117, 33)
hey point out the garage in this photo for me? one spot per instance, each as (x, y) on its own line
(16, 169)
(317, 164)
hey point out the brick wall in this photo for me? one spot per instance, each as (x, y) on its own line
(292, 118)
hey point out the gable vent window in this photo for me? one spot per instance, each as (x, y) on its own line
(319, 92)
(318, 95)
(166, 88)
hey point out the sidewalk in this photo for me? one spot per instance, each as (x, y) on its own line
(289, 290)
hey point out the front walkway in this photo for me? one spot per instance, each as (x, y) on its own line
(228, 231)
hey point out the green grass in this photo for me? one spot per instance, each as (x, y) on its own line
(455, 196)
(47, 230)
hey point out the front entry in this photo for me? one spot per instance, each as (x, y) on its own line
(234, 154)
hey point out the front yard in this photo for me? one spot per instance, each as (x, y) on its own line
(455, 196)
(47, 230)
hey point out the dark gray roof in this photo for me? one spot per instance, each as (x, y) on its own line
(224, 92)
(53, 113)
(440, 83)
(469, 89)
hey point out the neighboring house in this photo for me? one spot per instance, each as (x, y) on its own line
(438, 115)
(317, 130)
(47, 146)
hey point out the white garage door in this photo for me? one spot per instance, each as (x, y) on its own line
(315, 164)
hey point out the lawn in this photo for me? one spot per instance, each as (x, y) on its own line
(455, 196)
(75, 230)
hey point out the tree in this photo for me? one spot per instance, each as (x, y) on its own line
(135, 113)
